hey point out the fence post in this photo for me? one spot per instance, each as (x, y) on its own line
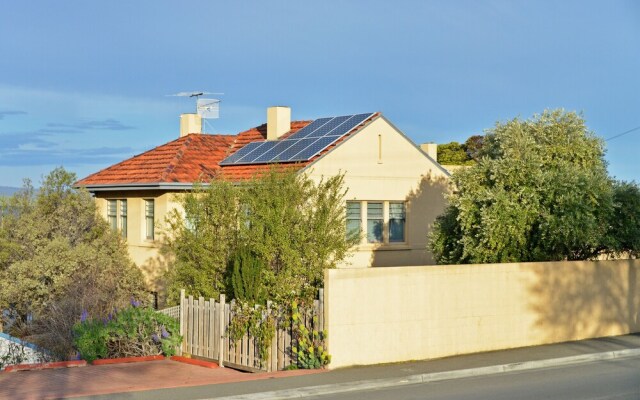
(184, 339)
(221, 347)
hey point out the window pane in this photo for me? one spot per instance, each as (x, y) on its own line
(148, 212)
(123, 218)
(354, 219)
(112, 213)
(374, 222)
(396, 222)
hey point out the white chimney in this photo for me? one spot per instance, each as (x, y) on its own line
(190, 123)
(431, 149)
(278, 121)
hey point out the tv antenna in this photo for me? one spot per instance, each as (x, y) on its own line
(206, 108)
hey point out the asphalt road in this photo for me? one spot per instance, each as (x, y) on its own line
(617, 379)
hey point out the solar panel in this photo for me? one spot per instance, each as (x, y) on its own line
(301, 146)
(257, 151)
(248, 148)
(272, 153)
(308, 130)
(331, 126)
(314, 148)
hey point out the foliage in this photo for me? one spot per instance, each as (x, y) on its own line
(202, 239)
(131, 332)
(625, 222)
(61, 257)
(539, 192)
(310, 347)
(454, 153)
(257, 321)
(293, 226)
(246, 277)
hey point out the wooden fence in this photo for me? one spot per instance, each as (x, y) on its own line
(204, 326)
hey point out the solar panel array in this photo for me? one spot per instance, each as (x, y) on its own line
(301, 146)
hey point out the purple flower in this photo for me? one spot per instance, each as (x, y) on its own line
(105, 321)
(135, 302)
(165, 334)
(155, 338)
(84, 315)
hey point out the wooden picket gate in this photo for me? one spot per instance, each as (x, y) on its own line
(204, 326)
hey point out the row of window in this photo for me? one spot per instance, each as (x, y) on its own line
(384, 220)
(117, 216)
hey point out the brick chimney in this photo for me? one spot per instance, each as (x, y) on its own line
(278, 121)
(190, 123)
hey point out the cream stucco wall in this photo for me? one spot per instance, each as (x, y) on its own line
(382, 315)
(380, 164)
(144, 253)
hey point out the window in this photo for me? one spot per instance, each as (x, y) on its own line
(375, 222)
(148, 214)
(117, 215)
(112, 213)
(123, 218)
(396, 222)
(384, 221)
(354, 218)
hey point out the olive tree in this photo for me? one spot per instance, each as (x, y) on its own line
(539, 191)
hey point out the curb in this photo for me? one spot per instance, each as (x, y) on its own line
(193, 361)
(430, 377)
(50, 365)
(126, 360)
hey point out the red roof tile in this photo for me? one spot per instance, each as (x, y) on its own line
(187, 159)
(195, 157)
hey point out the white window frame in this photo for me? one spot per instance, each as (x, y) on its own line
(364, 222)
(149, 234)
(117, 215)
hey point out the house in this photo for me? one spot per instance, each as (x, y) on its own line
(395, 189)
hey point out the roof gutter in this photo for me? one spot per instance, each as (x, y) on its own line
(138, 186)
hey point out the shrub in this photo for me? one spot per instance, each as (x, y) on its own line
(310, 347)
(246, 277)
(132, 332)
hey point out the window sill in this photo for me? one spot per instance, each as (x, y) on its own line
(383, 247)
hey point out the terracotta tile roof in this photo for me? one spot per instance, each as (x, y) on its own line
(195, 157)
(187, 159)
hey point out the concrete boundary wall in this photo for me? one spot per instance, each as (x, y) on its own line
(382, 315)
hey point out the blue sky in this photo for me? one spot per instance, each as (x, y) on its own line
(84, 84)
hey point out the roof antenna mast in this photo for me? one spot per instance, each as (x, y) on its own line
(205, 108)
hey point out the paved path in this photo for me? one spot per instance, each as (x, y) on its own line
(106, 379)
(170, 380)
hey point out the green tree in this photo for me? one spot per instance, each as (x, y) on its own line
(539, 191)
(293, 226)
(246, 277)
(452, 153)
(60, 258)
(202, 238)
(625, 223)
(473, 146)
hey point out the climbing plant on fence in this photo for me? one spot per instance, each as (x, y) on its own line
(258, 337)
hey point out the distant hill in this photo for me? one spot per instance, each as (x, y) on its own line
(8, 190)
